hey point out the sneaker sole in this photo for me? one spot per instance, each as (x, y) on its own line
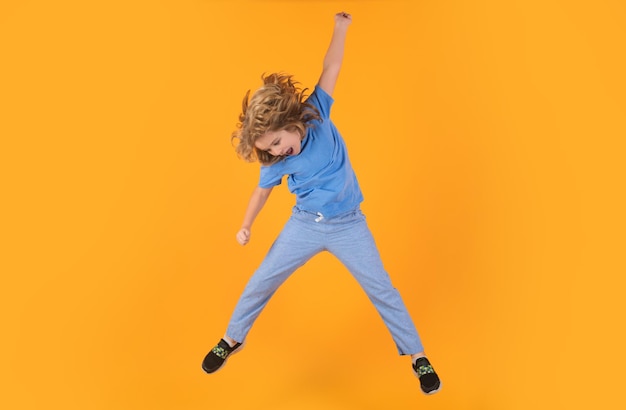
(434, 391)
(430, 392)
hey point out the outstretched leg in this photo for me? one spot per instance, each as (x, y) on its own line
(294, 246)
(354, 246)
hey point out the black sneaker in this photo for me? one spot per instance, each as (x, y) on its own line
(429, 381)
(218, 355)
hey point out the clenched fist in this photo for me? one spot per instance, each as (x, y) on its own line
(243, 236)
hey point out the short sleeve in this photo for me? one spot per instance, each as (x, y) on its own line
(269, 176)
(322, 101)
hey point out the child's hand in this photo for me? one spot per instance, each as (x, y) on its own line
(343, 19)
(243, 236)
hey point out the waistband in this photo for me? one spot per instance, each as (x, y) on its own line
(319, 217)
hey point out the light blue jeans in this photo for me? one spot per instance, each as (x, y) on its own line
(346, 236)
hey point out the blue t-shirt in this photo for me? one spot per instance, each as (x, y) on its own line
(320, 176)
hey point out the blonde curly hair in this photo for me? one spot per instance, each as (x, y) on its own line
(280, 104)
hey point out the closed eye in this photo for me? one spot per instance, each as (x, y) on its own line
(274, 144)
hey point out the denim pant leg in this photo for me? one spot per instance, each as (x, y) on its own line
(295, 245)
(353, 244)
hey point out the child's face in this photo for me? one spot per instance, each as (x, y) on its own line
(280, 143)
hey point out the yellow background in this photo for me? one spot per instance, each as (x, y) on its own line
(488, 139)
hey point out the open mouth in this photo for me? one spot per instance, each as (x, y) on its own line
(289, 151)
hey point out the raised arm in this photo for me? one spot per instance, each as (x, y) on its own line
(257, 200)
(334, 55)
